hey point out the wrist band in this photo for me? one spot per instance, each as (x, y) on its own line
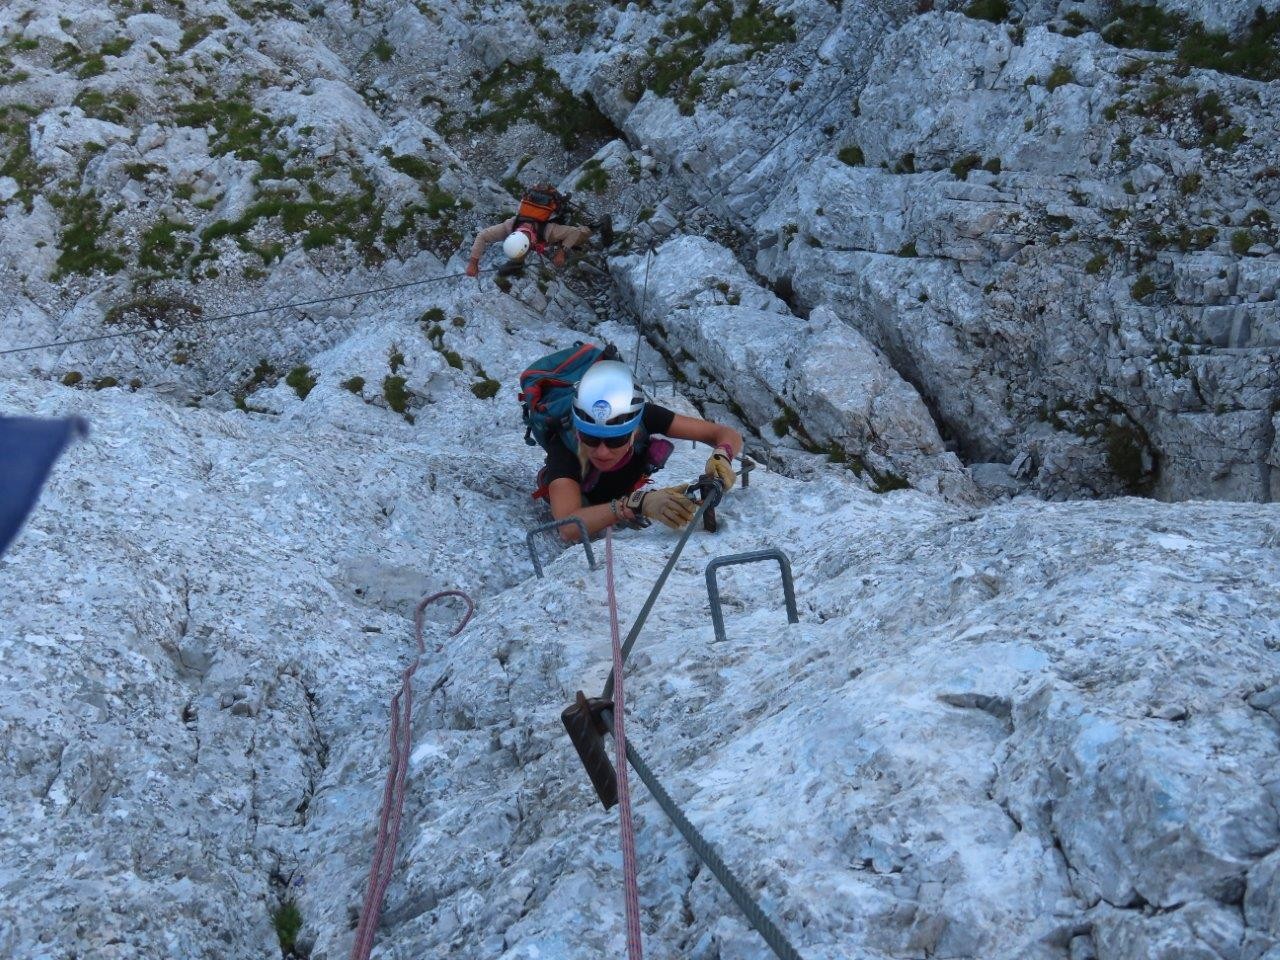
(728, 450)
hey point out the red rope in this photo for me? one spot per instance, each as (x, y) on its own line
(384, 850)
(630, 886)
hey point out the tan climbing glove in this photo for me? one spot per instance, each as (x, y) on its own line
(720, 467)
(667, 505)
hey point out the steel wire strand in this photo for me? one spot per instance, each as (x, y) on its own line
(239, 314)
(708, 854)
(657, 589)
(750, 908)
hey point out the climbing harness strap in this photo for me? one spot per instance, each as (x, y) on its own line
(632, 890)
(384, 850)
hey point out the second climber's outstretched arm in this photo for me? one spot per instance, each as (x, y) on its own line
(499, 231)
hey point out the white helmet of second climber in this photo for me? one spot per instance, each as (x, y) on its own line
(605, 403)
(516, 245)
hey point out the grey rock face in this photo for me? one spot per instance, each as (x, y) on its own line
(697, 298)
(1175, 399)
(1071, 220)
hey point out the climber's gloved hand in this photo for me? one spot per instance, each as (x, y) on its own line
(667, 505)
(473, 268)
(720, 467)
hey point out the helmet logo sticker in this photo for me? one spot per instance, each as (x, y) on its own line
(602, 409)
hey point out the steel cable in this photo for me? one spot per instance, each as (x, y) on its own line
(750, 908)
(138, 331)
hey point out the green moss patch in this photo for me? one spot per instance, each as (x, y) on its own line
(287, 920)
(83, 246)
(965, 165)
(238, 128)
(1253, 52)
(16, 160)
(198, 31)
(322, 220)
(995, 11)
(852, 155)
(1060, 76)
(594, 177)
(437, 205)
(1143, 287)
(677, 68)
(531, 92)
(302, 380)
(154, 312)
(394, 392)
(161, 249)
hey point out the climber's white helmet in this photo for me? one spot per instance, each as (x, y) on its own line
(606, 404)
(516, 245)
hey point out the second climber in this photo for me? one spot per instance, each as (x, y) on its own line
(538, 225)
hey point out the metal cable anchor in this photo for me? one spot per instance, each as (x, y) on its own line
(709, 490)
(556, 525)
(733, 559)
(583, 722)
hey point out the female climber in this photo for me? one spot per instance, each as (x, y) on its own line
(618, 447)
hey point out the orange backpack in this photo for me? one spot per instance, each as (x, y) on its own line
(541, 204)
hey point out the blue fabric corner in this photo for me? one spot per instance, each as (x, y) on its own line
(28, 449)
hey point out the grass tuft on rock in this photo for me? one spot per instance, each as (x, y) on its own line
(1060, 76)
(1253, 52)
(302, 380)
(287, 920)
(852, 155)
(82, 246)
(394, 392)
(1143, 287)
(994, 11)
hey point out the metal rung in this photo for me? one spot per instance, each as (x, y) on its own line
(556, 525)
(732, 559)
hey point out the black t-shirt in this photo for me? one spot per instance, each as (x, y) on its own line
(602, 487)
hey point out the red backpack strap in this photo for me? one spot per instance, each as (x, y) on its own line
(575, 357)
(543, 491)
